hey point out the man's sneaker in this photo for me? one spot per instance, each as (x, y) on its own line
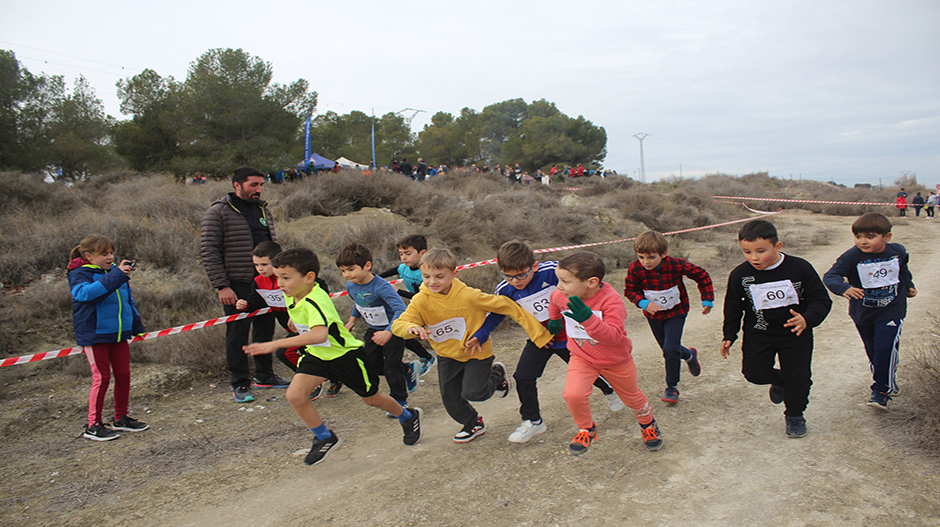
(695, 367)
(776, 394)
(389, 414)
(879, 400)
(315, 394)
(671, 395)
(614, 402)
(652, 438)
(506, 383)
(526, 431)
(796, 427)
(321, 448)
(98, 432)
(129, 424)
(471, 432)
(243, 395)
(412, 427)
(411, 379)
(582, 442)
(274, 382)
(335, 387)
(426, 364)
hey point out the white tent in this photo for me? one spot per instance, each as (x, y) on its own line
(347, 163)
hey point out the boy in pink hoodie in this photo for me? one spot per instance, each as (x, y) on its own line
(598, 342)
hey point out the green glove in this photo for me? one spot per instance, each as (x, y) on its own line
(579, 311)
(555, 326)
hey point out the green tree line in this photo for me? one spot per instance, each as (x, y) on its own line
(228, 112)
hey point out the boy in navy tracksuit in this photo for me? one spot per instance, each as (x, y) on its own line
(530, 284)
(874, 276)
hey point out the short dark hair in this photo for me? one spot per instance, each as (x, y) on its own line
(872, 222)
(758, 229)
(303, 260)
(514, 255)
(416, 241)
(354, 254)
(243, 173)
(266, 248)
(584, 265)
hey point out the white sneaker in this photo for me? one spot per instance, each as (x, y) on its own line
(614, 402)
(526, 431)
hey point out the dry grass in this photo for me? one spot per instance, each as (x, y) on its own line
(917, 407)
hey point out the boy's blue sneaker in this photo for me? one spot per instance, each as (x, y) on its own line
(695, 367)
(776, 394)
(879, 400)
(796, 427)
(672, 395)
(243, 395)
(411, 380)
(321, 448)
(426, 364)
(274, 382)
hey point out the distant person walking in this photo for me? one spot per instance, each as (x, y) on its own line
(918, 203)
(421, 170)
(231, 228)
(901, 202)
(405, 168)
(931, 203)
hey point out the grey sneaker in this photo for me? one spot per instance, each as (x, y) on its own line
(243, 395)
(129, 424)
(796, 427)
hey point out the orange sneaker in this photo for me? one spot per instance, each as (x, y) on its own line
(582, 442)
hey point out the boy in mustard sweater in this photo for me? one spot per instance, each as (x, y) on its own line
(448, 313)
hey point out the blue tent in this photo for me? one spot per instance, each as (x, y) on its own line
(319, 162)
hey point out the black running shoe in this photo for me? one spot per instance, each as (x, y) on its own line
(879, 400)
(412, 427)
(334, 389)
(98, 432)
(129, 424)
(796, 427)
(321, 448)
(776, 394)
(506, 384)
(316, 392)
(273, 382)
(695, 367)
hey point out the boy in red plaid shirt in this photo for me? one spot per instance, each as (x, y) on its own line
(654, 284)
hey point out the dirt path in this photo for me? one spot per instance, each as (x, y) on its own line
(726, 461)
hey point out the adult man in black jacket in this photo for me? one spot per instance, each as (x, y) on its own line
(231, 228)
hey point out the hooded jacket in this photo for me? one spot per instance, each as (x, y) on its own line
(103, 309)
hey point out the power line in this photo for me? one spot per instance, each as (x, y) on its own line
(64, 55)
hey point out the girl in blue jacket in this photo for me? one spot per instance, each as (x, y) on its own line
(104, 318)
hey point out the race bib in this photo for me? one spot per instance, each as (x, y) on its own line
(879, 274)
(537, 304)
(772, 295)
(301, 329)
(374, 316)
(667, 299)
(576, 330)
(273, 297)
(452, 328)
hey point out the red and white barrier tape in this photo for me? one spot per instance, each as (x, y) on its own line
(802, 201)
(23, 359)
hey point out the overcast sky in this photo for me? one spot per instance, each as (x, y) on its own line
(843, 90)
